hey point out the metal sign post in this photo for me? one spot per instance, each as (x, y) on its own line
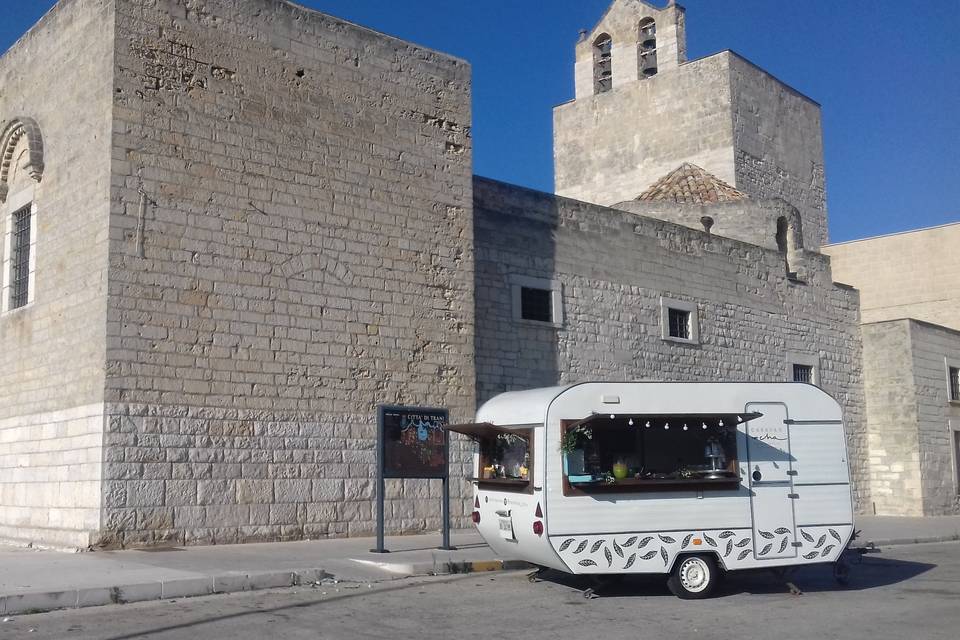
(412, 442)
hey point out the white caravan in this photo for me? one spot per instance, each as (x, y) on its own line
(685, 479)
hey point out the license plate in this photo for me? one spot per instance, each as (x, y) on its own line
(506, 528)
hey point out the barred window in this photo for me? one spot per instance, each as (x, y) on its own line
(20, 258)
(679, 324)
(955, 384)
(803, 373)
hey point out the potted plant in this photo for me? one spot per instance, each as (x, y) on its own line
(571, 446)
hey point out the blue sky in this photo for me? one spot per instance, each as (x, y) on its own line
(887, 74)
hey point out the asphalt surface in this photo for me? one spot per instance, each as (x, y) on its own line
(904, 592)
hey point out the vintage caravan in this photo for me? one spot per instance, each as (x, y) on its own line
(685, 479)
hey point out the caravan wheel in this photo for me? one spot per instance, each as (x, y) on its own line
(694, 577)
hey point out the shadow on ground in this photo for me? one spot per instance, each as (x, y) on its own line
(870, 572)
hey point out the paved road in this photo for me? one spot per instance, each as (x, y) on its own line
(905, 592)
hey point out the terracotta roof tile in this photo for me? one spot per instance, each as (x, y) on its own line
(689, 184)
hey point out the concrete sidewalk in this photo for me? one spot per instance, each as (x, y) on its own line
(33, 581)
(43, 580)
(891, 530)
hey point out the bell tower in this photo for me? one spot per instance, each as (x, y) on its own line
(633, 41)
(642, 110)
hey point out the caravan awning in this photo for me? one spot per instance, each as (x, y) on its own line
(479, 429)
(692, 420)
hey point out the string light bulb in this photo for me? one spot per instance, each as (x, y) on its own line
(739, 419)
(666, 426)
(704, 425)
(647, 425)
(721, 423)
(630, 422)
(684, 427)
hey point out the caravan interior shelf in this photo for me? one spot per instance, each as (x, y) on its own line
(664, 484)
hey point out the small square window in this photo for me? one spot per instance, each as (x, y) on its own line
(536, 304)
(803, 373)
(679, 321)
(537, 300)
(679, 324)
(955, 384)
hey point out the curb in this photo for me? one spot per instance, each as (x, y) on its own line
(890, 542)
(450, 567)
(28, 603)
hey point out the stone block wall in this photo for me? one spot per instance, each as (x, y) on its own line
(904, 275)
(50, 469)
(778, 145)
(59, 77)
(891, 416)
(613, 268)
(291, 244)
(611, 147)
(934, 349)
(910, 418)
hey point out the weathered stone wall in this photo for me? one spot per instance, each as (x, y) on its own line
(610, 147)
(891, 420)
(910, 418)
(905, 275)
(303, 251)
(614, 267)
(59, 76)
(934, 349)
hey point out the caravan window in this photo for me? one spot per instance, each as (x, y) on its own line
(506, 455)
(651, 452)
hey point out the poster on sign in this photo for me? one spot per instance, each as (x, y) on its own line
(414, 442)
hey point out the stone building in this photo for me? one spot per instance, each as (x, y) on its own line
(911, 351)
(239, 225)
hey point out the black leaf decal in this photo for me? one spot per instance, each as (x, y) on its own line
(630, 541)
(811, 555)
(767, 535)
(645, 542)
(596, 545)
(663, 554)
(608, 556)
(729, 548)
(580, 547)
(666, 539)
(630, 561)
(783, 545)
(618, 548)
(766, 549)
(587, 563)
(828, 549)
(710, 541)
(727, 534)
(648, 555)
(686, 541)
(743, 542)
(743, 554)
(566, 544)
(806, 536)
(781, 531)
(820, 542)
(835, 535)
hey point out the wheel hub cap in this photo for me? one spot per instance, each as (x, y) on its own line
(694, 575)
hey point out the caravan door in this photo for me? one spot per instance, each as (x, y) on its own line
(770, 477)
